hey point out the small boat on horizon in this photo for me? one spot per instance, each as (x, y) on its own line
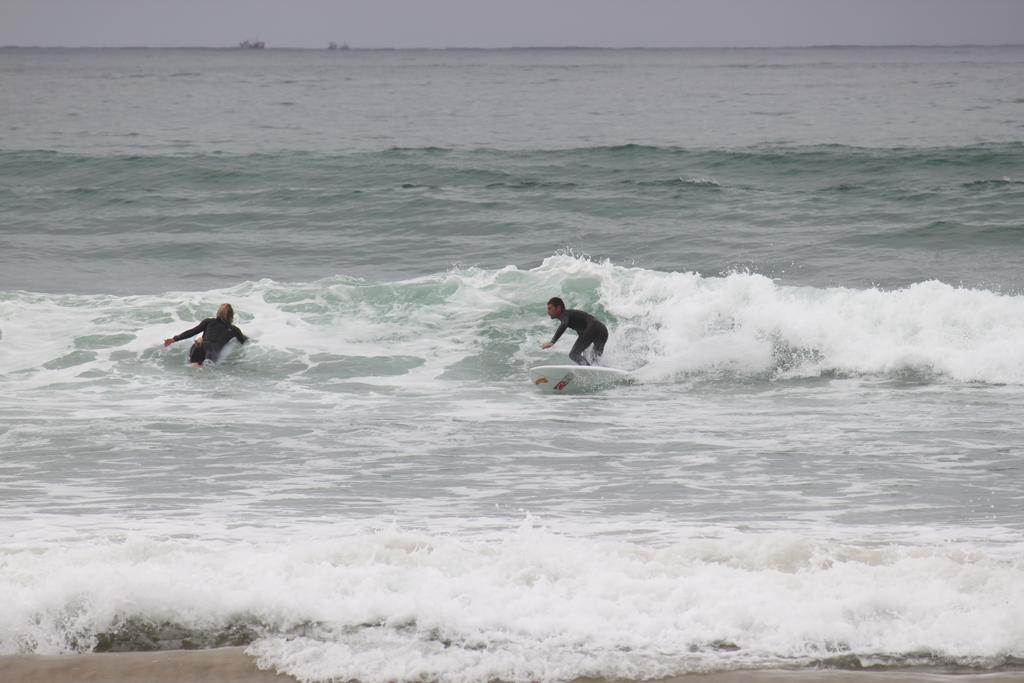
(252, 45)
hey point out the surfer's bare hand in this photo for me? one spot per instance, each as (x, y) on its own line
(168, 341)
(546, 345)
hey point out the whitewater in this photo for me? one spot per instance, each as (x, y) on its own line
(394, 500)
(810, 267)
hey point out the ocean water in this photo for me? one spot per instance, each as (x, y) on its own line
(811, 259)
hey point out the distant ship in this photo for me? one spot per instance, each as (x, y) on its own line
(334, 46)
(252, 45)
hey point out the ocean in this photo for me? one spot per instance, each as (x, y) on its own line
(811, 260)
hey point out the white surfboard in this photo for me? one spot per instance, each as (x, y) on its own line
(564, 379)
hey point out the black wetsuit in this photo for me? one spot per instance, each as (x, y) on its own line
(216, 333)
(590, 331)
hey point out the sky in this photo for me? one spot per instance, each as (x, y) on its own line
(511, 23)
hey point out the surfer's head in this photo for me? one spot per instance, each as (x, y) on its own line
(555, 307)
(225, 314)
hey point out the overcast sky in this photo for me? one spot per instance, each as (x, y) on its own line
(504, 23)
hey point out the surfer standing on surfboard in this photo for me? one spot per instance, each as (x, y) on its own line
(217, 332)
(589, 329)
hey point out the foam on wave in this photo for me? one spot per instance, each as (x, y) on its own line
(522, 605)
(668, 325)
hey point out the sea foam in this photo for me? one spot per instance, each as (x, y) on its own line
(527, 604)
(666, 325)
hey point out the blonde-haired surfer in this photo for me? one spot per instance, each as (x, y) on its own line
(216, 331)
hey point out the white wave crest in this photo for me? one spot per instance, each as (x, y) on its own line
(670, 324)
(678, 323)
(526, 604)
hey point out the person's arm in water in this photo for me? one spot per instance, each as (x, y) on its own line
(201, 327)
(238, 335)
(558, 333)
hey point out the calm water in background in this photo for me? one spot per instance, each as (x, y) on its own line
(811, 258)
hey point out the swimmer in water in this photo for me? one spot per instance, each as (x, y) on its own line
(217, 332)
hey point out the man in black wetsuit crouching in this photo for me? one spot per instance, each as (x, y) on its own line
(217, 332)
(589, 331)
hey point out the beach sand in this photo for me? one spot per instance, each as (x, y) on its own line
(220, 665)
(232, 665)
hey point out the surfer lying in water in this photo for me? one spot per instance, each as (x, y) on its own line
(589, 331)
(217, 332)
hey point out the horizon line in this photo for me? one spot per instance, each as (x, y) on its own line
(454, 48)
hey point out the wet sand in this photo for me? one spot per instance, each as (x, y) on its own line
(221, 665)
(232, 665)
